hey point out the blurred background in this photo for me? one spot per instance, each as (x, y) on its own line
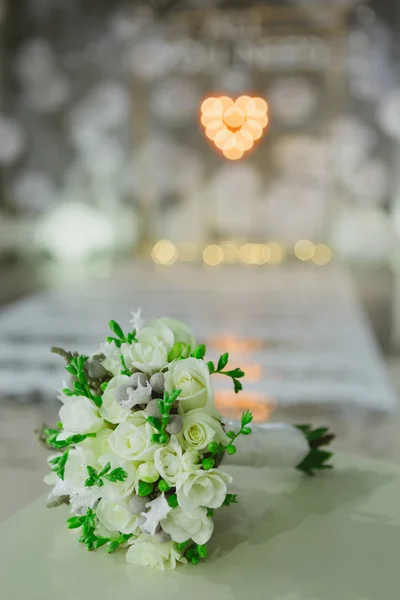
(279, 245)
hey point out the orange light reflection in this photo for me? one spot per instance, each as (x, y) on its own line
(232, 405)
(231, 344)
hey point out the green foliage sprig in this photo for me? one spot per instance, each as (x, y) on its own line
(52, 435)
(316, 459)
(164, 406)
(58, 464)
(194, 553)
(235, 374)
(215, 448)
(121, 337)
(81, 387)
(230, 499)
(96, 478)
(88, 524)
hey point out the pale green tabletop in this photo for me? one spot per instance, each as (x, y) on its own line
(333, 537)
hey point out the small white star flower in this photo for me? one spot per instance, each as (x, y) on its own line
(142, 395)
(159, 508)
(137, 321)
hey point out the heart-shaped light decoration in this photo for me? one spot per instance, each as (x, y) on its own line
(234, 125)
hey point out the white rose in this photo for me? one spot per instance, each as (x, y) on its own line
(75, 473)
(110, 410)
(182, 333)
(171, 462)
(202, 488)
(150, 353)
(200, 428)
(147, 472)
(132, 438)
(117, 517)
(183, 526)
(191, 375)
(99, 445)
(115, 491)
(147, 552)
(79, 415)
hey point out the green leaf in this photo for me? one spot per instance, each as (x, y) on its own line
(163, 486)
(223, 361)
(97, 400)
(61, 465)
(124, 370)
(145, 488)
(156, 423)
(246, 431)
(112, 340)
(235, 373)
(112, 547)
(201, 550)
(211, 367)
(207, 463)
(68, 392)
(155, 438)
(230, 499)
(99, 542)
(71, 369)
(247, 418)
(80, 361)
(215, 448)
(115, 328)
(237, 386)
(210, 512)
(181, 546)
(173, 500)
(105, 469)
(199, 352)
(118, 474)
(75, 522)
(92, 472)
(103, 386)
(176, 351)
(231, 434)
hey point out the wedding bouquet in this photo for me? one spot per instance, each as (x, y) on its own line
(140, 442)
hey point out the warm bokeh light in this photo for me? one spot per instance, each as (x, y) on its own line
(231, 344)
(277, 253)
(234, 126)
(304, 249)
(230, 251)
(188, 251)
(164, 252)
(213, 255)
(254, 254)
(232, 405)
(322, 255)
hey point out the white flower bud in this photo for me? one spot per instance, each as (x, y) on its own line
(138, 377)
(95, 369)
(152, 409)
(157, 382)
(175, 425)
(137, 504)
(162, 537)
(121, 393)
